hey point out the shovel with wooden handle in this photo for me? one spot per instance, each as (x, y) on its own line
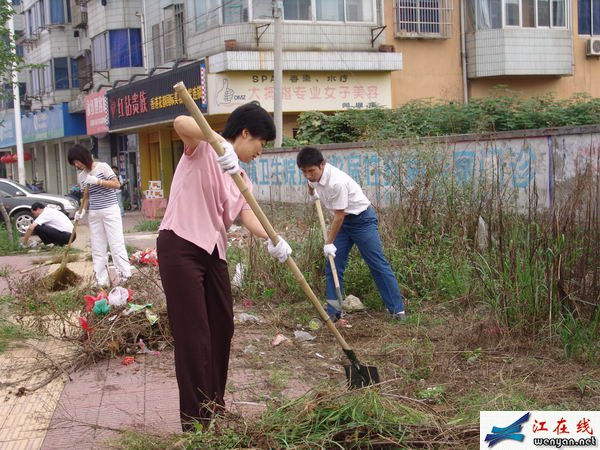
(357, 374)
(336, 280)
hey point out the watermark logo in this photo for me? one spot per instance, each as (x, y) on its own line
(538, 430)
(510, 432)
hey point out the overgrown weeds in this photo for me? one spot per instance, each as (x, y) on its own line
(468, 229)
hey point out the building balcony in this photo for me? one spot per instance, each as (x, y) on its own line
(307, 60)
(519, 52)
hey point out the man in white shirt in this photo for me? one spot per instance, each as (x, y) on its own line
(50, 225)
(354, 222)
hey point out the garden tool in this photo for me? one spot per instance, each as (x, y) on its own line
(336, 280)
(64, 277)
(358, 375)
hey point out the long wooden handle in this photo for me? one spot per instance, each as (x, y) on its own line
(336, 280)
(82, 206)
(215, 141)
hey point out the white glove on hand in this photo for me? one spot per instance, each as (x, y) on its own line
(91, 179)
(281, 251)
(229, 162)
(79, 215)
(329, 249)
(313, 197)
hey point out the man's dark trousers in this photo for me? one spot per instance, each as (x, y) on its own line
(50, 235)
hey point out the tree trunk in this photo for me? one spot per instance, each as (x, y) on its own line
(7, 221)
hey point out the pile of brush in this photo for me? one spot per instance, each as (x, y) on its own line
(138, 326)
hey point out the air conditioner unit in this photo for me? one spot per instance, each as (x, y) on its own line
(593, 47)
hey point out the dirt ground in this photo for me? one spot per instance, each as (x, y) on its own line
(451, 357)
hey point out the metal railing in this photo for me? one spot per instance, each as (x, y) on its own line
(423, 18)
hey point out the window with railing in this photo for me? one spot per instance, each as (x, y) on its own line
(173, 32)
(490, 14)
(117, 48)
(423, 18)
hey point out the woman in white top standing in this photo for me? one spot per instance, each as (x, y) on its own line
(106, 226)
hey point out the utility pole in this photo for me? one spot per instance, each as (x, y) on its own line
(142, 16)
(277, 71)
(17, 107)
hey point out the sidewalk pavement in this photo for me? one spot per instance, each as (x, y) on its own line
(83, 412)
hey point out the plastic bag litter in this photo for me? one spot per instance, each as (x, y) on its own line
(279, 339)
(303, 336)
(245, 318)
(238, 278)
(101, 307)
(118, 296)
(353, 304)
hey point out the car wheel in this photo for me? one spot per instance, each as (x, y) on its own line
(22, 221)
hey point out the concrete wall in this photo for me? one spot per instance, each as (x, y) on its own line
(540, 160)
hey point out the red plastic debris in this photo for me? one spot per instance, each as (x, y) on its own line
(127, 360)
(84, 323)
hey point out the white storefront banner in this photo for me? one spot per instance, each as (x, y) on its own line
(301, 91)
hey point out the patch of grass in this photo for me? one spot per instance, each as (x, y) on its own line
(8, 247)
(147, 225)
(131, 440)
(226, 439)
(432, 394)
(469, 404)
(580, 337)
(314, 421)
(278, 380)
(10, 332)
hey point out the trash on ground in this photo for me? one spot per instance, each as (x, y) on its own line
(147, 257)
(303, 336)
(249, 349)
(101, 307)
(248, 318)
(119, 296)
(238, 277)
(353, 304)
(315, 324)
(279, 339)
(127, 360)
(344, 323)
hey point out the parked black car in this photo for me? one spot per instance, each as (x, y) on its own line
(69, 205)
(19, 209)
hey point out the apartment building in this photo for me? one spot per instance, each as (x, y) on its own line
(461, 49)
(117, 61)
(71, 59)
(45, 38)
(223, 51)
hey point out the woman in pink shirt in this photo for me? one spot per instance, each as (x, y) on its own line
(192, 243)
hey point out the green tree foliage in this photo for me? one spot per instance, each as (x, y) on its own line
(502, 111)
(8, 58)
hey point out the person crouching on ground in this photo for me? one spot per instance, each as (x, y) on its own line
(106, 226)
(192, 243)
(354, 222)
(51, 225)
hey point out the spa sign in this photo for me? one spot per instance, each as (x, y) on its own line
(302, 91)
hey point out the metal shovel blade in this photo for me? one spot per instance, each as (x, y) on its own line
(358, 375)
